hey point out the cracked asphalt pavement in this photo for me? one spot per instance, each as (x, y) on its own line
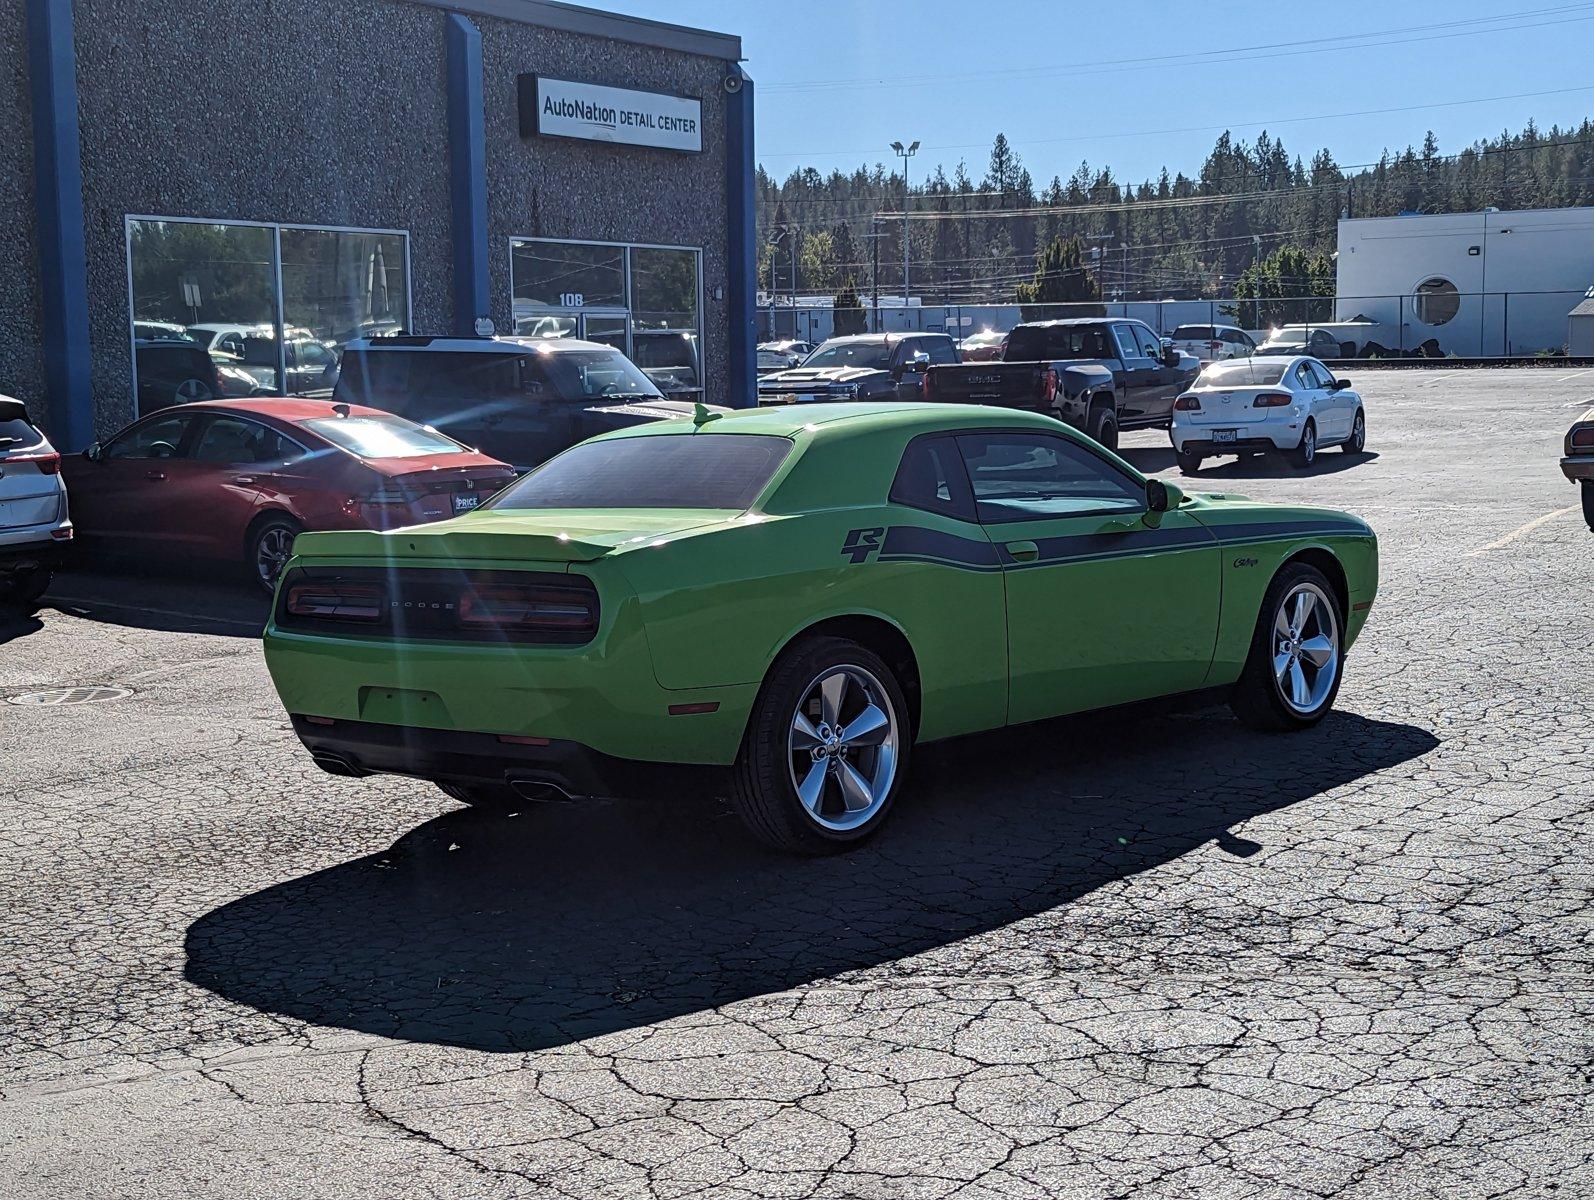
(1124, 956)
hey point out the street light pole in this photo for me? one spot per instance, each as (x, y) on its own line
(905, 154)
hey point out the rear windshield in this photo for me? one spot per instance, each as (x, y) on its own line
(1243, 372)
(1194, 333)
(695, 470)
(382, 436)
(873, 355)
(1036, 343)
(16, 433)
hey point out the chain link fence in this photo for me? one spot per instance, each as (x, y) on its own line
(1434, 324)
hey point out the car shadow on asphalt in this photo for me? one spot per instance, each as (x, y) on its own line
(160, 597)
(513, 933)
(1151, 459)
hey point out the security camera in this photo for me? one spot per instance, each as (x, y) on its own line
(733, 83)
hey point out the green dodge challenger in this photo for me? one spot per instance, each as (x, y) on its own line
(802, 595)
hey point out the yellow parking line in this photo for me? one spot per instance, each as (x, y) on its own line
(1501, 543)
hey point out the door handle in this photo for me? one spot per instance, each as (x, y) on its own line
(157, 476)
(1022, 551)
(244, 479)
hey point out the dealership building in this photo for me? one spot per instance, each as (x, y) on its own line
(251, 185)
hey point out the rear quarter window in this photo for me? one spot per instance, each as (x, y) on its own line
(17, 433)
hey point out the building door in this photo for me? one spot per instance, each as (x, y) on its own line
(612, 329)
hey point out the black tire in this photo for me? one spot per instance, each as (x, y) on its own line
(1189, 463)
(1102, 424)
(1357, 442)
(1305, 454)
(263, 557)
(1588, 503)
(764, 786)
(21, 591)
(1258, 699)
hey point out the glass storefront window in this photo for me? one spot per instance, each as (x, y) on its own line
(206, 305)
(642, 300)
(565, 275)
(200, 291)
(337, 285)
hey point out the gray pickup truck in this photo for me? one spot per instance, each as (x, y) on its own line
(1100, 374)
(866, 366)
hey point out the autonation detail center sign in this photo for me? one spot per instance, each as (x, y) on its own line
(560, 108)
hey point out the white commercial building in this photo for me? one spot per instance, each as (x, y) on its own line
(1483, 283)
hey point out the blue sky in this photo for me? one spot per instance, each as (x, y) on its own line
(839, 81)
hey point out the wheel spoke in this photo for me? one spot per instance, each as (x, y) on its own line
(1318, 650)
(856, 793)
(868, 728)
(1300, 694)
(812, 789)
(1281, 623)
(1304, 603)
(831, 691)
(803, 734)
(1281, 664)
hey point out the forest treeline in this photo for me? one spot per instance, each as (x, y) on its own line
(977, 239)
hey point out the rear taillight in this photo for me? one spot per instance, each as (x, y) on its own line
(1187, 403)
(520, 607)
(336, 601)
(1583, 439)
(1272, 400)
(1214, 345)
(48, 462)
(924, 386)
(1046, 387)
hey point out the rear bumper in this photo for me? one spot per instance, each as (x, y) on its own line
(1198, 442)
(21, 556)
(1579, 468)
(356, 748)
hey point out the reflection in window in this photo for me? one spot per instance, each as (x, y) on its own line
(664, 318)
(337, 285)
(194, 283)
(206, 304)
(564, 275)
(1436, 301)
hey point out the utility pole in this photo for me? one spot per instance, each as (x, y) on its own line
(905, 155)
(774, 244)
(874, 278)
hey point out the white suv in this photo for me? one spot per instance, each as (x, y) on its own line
(34, 526)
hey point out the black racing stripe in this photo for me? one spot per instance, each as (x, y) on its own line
(1114, 545)
(1260, 530)
(916, 542)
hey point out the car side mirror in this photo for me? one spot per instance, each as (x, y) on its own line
(94, 453)
(1340, 385)
(1163, 497)
(1170, 357)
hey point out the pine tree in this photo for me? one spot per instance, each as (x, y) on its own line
(1061, 277)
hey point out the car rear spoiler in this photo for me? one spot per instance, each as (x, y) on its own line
(12, 409)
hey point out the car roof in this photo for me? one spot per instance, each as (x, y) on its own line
(795, 420)
(292, 409)
(1077, 321)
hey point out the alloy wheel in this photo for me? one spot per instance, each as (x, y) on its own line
(1305, 648)
(1358, 434)
(843, 747)
(272, 552)
(1308, 445)
(190, 391)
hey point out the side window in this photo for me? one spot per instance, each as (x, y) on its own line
(229, 440)
(1124, 336)
(941, 350)
(1150, 344)
(160, 438)
(230, 343)
(1303, 377)
(931, 478)
(1027, 476)
(1324, 376)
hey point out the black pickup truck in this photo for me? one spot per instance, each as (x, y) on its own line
(1100, 374)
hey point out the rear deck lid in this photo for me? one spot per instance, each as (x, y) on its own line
(540, 535)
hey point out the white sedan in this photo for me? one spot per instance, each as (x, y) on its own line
(1253, 405)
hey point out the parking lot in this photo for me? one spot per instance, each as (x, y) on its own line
(1150, 955)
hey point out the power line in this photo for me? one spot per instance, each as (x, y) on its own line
(1366, 40)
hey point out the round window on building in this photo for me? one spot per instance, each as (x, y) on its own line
(1436, 301)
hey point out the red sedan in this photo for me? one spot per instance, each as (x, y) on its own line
(236, 480)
